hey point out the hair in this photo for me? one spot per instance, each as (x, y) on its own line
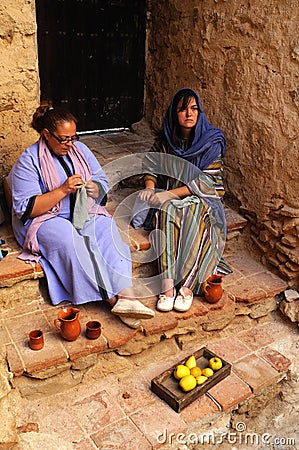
(46, 116)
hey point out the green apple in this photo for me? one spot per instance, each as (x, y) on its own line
(215, 363)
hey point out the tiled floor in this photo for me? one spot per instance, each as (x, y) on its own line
(119, 411)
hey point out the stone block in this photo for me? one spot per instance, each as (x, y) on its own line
(36, 388)
(290, 295)
(290, 309)
(22, 291)
(8, 433)
(262, 308)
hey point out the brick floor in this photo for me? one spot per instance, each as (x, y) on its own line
(257, 373)
(121, 411)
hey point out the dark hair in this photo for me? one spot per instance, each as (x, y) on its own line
(46, 116)
(185, 95)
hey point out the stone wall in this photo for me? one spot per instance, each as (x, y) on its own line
(19, 82)
(243, 59)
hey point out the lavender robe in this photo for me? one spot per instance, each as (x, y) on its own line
(90, 265)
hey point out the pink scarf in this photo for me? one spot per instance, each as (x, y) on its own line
(31, 252)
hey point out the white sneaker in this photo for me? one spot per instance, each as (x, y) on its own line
(165, 303)
(183, 302)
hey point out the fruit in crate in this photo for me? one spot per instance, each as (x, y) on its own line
(195, 371)
(215, 363)
(181, 371)
(201, 379)
(191, 362)
(188, 383)
(207, 372)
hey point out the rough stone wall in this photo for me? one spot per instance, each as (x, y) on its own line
(19, 81)
(243, 59)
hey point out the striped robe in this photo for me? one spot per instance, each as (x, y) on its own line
(191, 232)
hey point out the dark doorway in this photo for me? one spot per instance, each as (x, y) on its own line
(91, 59)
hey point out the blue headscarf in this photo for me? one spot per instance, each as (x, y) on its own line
(208, 141)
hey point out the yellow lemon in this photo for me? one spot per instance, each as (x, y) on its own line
(201, 379)
(207, 372)
(181, 371)
(191, 362)
(188, 383)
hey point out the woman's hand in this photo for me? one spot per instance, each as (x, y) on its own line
(161, 197)
(71, 184)
(146, 194)
(92, 189)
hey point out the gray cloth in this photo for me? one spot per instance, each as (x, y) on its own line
(80, 214)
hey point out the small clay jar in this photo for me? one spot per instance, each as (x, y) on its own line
(213, 288)
(36, 339)
(93, 329)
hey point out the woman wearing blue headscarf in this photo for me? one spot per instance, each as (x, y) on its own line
(184, 183)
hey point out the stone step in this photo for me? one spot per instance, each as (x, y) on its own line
(249, 294)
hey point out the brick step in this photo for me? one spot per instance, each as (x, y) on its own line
(249, 293)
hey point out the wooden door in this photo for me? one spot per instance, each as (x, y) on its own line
(91, 59)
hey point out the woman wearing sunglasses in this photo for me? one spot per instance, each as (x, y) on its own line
(59, 191)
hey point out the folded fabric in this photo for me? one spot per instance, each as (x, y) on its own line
(139, 213)
(80, 214)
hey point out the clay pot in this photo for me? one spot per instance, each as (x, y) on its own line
(93, 329)
(213, 288)
(68, 323)
(36, 339)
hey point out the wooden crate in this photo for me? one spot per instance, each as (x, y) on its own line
(168, 389)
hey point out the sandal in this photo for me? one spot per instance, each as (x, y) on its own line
(165, 303)
(183, 302)
(132, 308)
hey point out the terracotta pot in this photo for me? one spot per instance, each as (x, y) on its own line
(213, 288)
(36, 339)
(93, 329)
(68, 323)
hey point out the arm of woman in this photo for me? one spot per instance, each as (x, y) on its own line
(45, 202)
(30, 197)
